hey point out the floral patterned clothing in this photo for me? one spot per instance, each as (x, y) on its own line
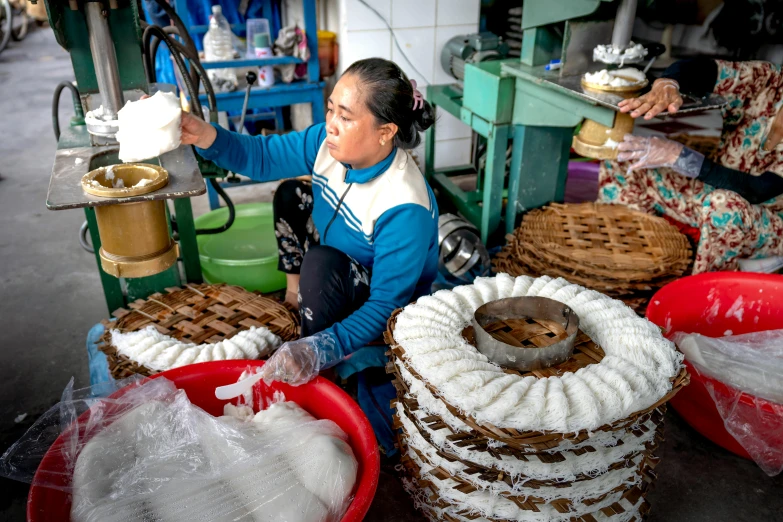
(294, 227)
(332, 284)
(731, 228)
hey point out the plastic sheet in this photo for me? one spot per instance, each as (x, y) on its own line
(147, 453)
(751, 401)
(752, 362)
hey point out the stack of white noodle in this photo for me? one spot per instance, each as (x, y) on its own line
(160, 352)
(597, 469)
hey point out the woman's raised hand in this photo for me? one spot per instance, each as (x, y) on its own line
(664, 95)
(196, 131)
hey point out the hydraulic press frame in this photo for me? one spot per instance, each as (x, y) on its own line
(538, 109)
(104, 42)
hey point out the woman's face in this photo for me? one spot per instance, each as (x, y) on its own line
(353, 134)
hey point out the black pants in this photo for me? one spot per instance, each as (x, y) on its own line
(332, 284)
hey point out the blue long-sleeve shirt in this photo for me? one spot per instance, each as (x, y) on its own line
(388, 221)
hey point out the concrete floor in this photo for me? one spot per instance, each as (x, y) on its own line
(51, 296)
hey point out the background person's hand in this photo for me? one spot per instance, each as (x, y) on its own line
(653, 153)
(664, 95)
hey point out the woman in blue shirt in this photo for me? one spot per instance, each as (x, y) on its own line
(360, 241)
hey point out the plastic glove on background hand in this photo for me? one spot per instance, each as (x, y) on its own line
(653, 153)
(298, 362)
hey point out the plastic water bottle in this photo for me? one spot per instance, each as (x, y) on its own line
(266, 73)
(219, 46)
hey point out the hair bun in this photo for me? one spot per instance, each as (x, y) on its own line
(424, 118)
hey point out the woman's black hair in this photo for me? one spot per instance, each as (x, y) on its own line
(388, 94)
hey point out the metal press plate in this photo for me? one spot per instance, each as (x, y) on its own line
(70, 165)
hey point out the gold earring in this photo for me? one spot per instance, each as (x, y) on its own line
(383, 142)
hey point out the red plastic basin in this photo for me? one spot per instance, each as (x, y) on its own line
(700, 304)
(320, 398)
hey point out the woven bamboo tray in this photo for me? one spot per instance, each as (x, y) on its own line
(609, 248)
(610, 237)
(637, 300)
(432, 498)
(197, 314)
(493, 474)
(585, 352)
(532, 503)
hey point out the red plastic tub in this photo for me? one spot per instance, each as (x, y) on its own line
(701, 304)
(320, 398)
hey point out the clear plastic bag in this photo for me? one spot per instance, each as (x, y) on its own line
(152, 455)
(749, 364)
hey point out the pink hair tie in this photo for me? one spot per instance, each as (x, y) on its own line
(418, 99)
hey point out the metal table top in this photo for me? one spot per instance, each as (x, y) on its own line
(572, 86)
(65, 187)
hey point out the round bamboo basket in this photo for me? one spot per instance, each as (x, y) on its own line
(520, 443)
(623, 253)
(427, 486)
(197, 314)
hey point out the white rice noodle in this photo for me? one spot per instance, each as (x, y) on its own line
(160, 352)
(635, 374)
(493, 505)
(622, 445)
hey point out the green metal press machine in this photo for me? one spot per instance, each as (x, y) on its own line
(137, 250)
(537, 106)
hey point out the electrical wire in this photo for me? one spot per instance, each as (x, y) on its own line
(396, 42)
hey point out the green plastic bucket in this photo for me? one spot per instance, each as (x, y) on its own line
(246, 254)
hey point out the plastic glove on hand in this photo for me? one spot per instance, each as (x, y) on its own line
(298, 362)
(664, 95)
(653, 153)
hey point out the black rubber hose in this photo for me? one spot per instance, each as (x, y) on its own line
(211, 98)
(191, 54)
(56, 104)
(180, 25)
(202, 74)
(153, 52)
(148, 57)
(177, 48)
(157, 31)
(83, 231)
(231, 211)
(190, 45)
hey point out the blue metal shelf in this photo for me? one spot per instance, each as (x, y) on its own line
(250, 62)
(309, 90)
(277, 96)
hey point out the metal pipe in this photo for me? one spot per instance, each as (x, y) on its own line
(623, 24)
(104, 57)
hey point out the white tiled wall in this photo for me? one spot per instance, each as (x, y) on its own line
(422, 28)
